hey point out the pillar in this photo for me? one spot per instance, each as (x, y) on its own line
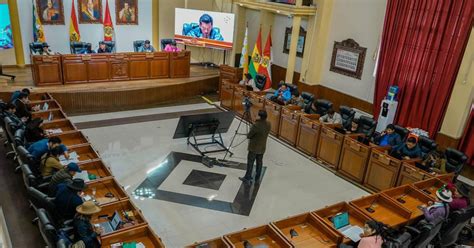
(17, 40)
(155, 23)
(290, 68)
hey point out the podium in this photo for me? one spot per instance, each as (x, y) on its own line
(273, 115)
(227, 95)
(308, 134)
(330, 144)
(289, 122)
(354, 158)
(257, 98)
(46, 70)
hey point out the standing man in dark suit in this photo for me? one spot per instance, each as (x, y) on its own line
(257, 143)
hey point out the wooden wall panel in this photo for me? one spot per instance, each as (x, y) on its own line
(445, 141)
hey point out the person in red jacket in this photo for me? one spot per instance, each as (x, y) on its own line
(460, 196)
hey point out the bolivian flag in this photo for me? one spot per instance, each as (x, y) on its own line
(256, 57)
(74, 34)
(38, 31)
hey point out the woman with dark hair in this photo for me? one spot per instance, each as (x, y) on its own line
(50, 162)
(374, 235)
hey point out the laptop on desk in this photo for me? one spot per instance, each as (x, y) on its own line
(45, 106)
(341, 222)
(112, 225)
(50, 116)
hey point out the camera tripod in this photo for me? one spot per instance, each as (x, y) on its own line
(246, 119)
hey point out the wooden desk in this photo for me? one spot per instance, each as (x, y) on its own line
(289, 123)
(410, 174)
(382, 170)
(180, 64)
(356, 217)
(311, 231)
(330, 145)
(85, 152)
(150, 65)
(258, 236)
(104, 186)
(38, 97)
(308, 134)
(273, 115)
(58, 114)
(229, 74)
(72, 139)
(446, 177)
(258, 103)
(385, 210)
(87, 68)
(121, 207)
(429, 186)
(409, 197)
(64, 124)
(46, 70)
(214, 243)
(142, 234)
(97, 168)
(237, 102)
(227, 95)
(354, 158)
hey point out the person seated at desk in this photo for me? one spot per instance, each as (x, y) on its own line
(388, 137)
(460, 196)
(86, 50)
(83, 229)
(50, 162)
(331, 117)
(23, 109)
(408, 150)
(102, 48)
(354, 126)
(44, 51)
(433, 162)
(10, 110)
(68, 198)
(33, 131)
(282, 95)
(40, 148)
(171, 47)
(16, 94)
(373, 237)
(248, 82)
(297, 100)
(438, 210)
(62, 176)
(147, 47)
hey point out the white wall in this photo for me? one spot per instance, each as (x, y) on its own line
(361, 20)
(57, 36)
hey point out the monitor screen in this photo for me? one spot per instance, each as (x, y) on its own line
(6, 36)
(204, 28)
(340, 220)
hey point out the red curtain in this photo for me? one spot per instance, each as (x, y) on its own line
(423, 43)
(467, 142)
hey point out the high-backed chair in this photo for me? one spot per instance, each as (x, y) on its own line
(137, 44)
(322, 106)
(46, 227)
(457, 220)
(260, 80)
(109, 45)
(165, 42)
(426, 145)
(426, 232)
(454, 160)
(347, 115)
(10, 130)
(402, 131)
(366, 126)
(32, 180)
(27, 158)
(77, 47)
(401, 240)
(20, 137)
(36, 47)
(308, 100)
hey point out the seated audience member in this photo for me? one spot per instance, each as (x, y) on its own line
(354, 126)
(147, 47)
(297, 100)
(16, 94)
(438, 210)
(409, 150)
(44, 51)
(248, 81)
(434, 161)
(83, 229)
(62, 176)
(282, 95)
(68, 198)
(171, 47)
(50, 162)
(388, 137)
(23, 109)
(86, 50)
(460, 197)
(10, 112)
(331, 117)
(102, 48)
(40, 148)
(33, 131)
(373, 236)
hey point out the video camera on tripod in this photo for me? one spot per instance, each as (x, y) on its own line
(247, 103)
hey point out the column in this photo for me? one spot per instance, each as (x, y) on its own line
(17, 40)
(290, 68)
(239, 32)
(155, 23)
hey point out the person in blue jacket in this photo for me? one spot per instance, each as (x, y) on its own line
(41, 147)
(388, 137)
(408, 150)
(206, 29)
(282, 95)
(16, 94)
(83, 229)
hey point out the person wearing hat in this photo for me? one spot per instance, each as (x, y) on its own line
(102, 48)
(147, 47)
(83, 229)
(68, 198)
(63, 176)
(460, 196)
(50, 162)
(438, 210)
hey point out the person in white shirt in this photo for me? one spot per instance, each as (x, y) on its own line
(331, 117)
(249, 81)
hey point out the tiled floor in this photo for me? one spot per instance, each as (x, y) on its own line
(185, 201)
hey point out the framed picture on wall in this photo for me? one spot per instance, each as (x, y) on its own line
(299, 46)
(50, 12)
(126, 12)
(348, 58)
(90, 11)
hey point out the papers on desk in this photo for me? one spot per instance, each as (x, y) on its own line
(128, 245)
(73, 157)
(353, 233)
(53, 131)
(84, 175)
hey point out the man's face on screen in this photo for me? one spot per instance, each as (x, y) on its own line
(205, 29)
